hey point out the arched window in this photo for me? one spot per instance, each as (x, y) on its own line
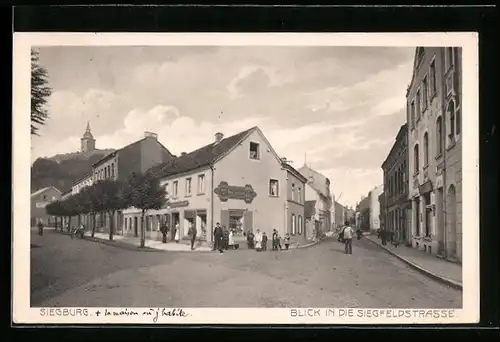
(301, 225)
(416, 159)
(426, 149)
(458, 121)
(451, 115)
(294, 227)
(439, 135)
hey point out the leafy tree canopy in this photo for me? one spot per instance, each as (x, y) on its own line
(40, 91)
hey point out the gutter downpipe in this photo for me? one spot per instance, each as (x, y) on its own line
(212, 202)
(445, 126)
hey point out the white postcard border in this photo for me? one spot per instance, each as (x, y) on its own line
(22, 313)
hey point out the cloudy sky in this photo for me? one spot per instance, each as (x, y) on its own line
(339, 106)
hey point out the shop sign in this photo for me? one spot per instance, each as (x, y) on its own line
(226, 192)
(177, 204)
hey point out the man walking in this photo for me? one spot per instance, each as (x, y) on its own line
(348, 232)
(192, 233)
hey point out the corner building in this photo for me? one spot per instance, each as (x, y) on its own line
(238, 181)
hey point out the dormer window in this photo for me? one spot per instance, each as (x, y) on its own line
(254, 151)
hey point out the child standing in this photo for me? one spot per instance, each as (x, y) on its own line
(287, 241)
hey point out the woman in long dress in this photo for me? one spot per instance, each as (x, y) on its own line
(258, 240)
(176, 237)
(231, 239)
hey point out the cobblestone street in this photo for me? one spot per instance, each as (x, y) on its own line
(77, 272)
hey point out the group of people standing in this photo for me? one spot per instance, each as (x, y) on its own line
(223, 239)
(260, 239)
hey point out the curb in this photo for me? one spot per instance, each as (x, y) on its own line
(128, 246)
(312, 243)
(451, 283)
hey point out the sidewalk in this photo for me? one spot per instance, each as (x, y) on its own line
(154, 244)
(439, 269)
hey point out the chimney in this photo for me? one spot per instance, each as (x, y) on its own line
(148, 134)
(183, 153)
(283, 160)
(218, 137)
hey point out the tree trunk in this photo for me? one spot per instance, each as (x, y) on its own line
(69, 224)
(143, 232)
(79, 220)
(111, 224)
(93, 224)
(55, 223)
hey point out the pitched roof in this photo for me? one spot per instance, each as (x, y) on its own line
(39, 191)
(106, 157)
(294, 171)
(309, 208)
(201, 157)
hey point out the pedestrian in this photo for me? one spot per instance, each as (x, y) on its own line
(287, 241)
(275, 240)
(164, 231)
(177, 233)
(192, 234)
(258, 240)
(264, 241)
(40, 227)
(348, 232)
(231, 240)
(383, 236)
(218, 238)
(250, 240)
(225, 238)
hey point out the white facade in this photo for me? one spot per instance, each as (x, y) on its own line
(86, 181)
(375, 207)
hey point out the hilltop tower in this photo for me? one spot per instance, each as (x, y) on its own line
(87, 141)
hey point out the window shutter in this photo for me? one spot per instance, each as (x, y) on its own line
(248, 221)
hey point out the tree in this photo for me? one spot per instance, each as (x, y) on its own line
(90, 203)
(144, 192)
(40, 91)
(110, 197)
(69, 207)
(54, 209)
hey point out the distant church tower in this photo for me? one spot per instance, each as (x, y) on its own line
(87, 141)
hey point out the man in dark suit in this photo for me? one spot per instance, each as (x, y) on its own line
(218, 234)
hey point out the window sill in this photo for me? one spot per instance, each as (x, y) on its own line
(425, 167)
(450, 145)
(438, 156)
(187, 196)
(200, 194)
(254, 159)
(276, 196)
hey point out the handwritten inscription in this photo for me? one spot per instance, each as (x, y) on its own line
(154, 313)
(226, 192)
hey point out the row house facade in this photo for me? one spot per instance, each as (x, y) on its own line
(396, 207)
(318, 189)
(373, 196)
(138, 156)
(238, 181)
(434, 139)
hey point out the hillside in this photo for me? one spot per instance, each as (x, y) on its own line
(63, 170)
